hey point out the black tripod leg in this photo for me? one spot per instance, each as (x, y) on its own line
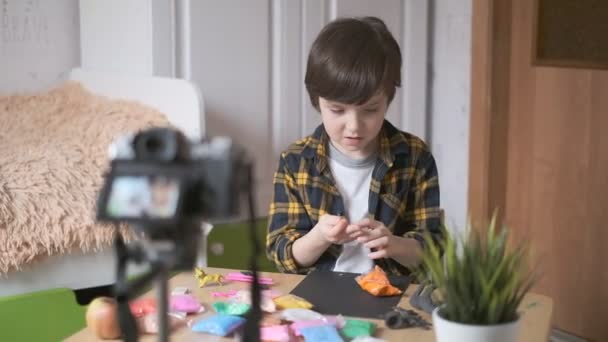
(128, 326)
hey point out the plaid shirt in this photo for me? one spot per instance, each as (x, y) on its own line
(404, 195)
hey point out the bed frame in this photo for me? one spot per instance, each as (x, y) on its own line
(180, 100)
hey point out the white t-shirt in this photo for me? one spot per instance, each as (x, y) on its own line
(353, 178)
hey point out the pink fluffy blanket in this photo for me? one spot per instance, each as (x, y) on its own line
(53, 153)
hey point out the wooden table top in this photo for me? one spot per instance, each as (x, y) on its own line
(536, 311)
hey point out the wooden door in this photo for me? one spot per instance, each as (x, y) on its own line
(539, 152)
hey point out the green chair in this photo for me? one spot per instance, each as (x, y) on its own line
(49, 315)
(228, 246)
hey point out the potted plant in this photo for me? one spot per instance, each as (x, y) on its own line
(481, 282)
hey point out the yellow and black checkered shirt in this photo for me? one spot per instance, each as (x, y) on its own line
(404, 195)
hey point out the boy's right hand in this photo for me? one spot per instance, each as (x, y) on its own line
(332, 229)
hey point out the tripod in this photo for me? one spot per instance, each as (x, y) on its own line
(175, 249)
(158, 257)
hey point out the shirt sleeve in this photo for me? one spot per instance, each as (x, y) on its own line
(423, 211)
(287, 220)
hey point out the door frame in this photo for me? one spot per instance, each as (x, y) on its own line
(489, 120)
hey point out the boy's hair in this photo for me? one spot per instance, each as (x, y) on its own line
(352, 60)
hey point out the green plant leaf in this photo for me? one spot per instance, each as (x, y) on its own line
(480, 279)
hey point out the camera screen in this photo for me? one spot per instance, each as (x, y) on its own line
(143, 197)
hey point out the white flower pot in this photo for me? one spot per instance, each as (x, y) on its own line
(448, 331)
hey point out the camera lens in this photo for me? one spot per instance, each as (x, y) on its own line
(153, 145)
(158, 145)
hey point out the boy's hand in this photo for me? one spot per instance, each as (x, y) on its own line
(383, 243)
(332, 229)
(375, 236)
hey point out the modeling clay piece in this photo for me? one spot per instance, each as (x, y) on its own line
(290, 301)
(376, 282)
(180, 290)
(335, 321)
(326, 333)
(221, 325)
(299, 314)
(185, 303)
(148, 324)
(266, 302)
(355, 328)
(275, 333)
(204, 278)
(231, 308)
(238, 276)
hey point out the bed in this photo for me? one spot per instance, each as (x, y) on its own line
(78, 268)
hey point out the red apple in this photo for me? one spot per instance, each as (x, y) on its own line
(102, 318)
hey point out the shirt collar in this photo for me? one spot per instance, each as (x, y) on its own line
(391, 144)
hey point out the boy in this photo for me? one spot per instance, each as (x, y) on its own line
(358, 191)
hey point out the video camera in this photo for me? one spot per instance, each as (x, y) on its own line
(164, 185)
(158, 177)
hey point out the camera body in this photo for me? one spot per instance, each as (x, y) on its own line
(164, 185)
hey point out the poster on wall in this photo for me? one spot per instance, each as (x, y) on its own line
(571, 33)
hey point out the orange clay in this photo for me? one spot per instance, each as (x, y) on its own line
(376, 282)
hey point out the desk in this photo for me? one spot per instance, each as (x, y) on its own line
(536, 317)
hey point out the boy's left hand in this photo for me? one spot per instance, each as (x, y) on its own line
(383, 243)
(374, 235)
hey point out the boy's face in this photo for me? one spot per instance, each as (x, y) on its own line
(353, 129)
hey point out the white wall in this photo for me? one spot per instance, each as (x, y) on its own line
(231, 52)
(39, 42)
(132, 37)
(450, 91)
